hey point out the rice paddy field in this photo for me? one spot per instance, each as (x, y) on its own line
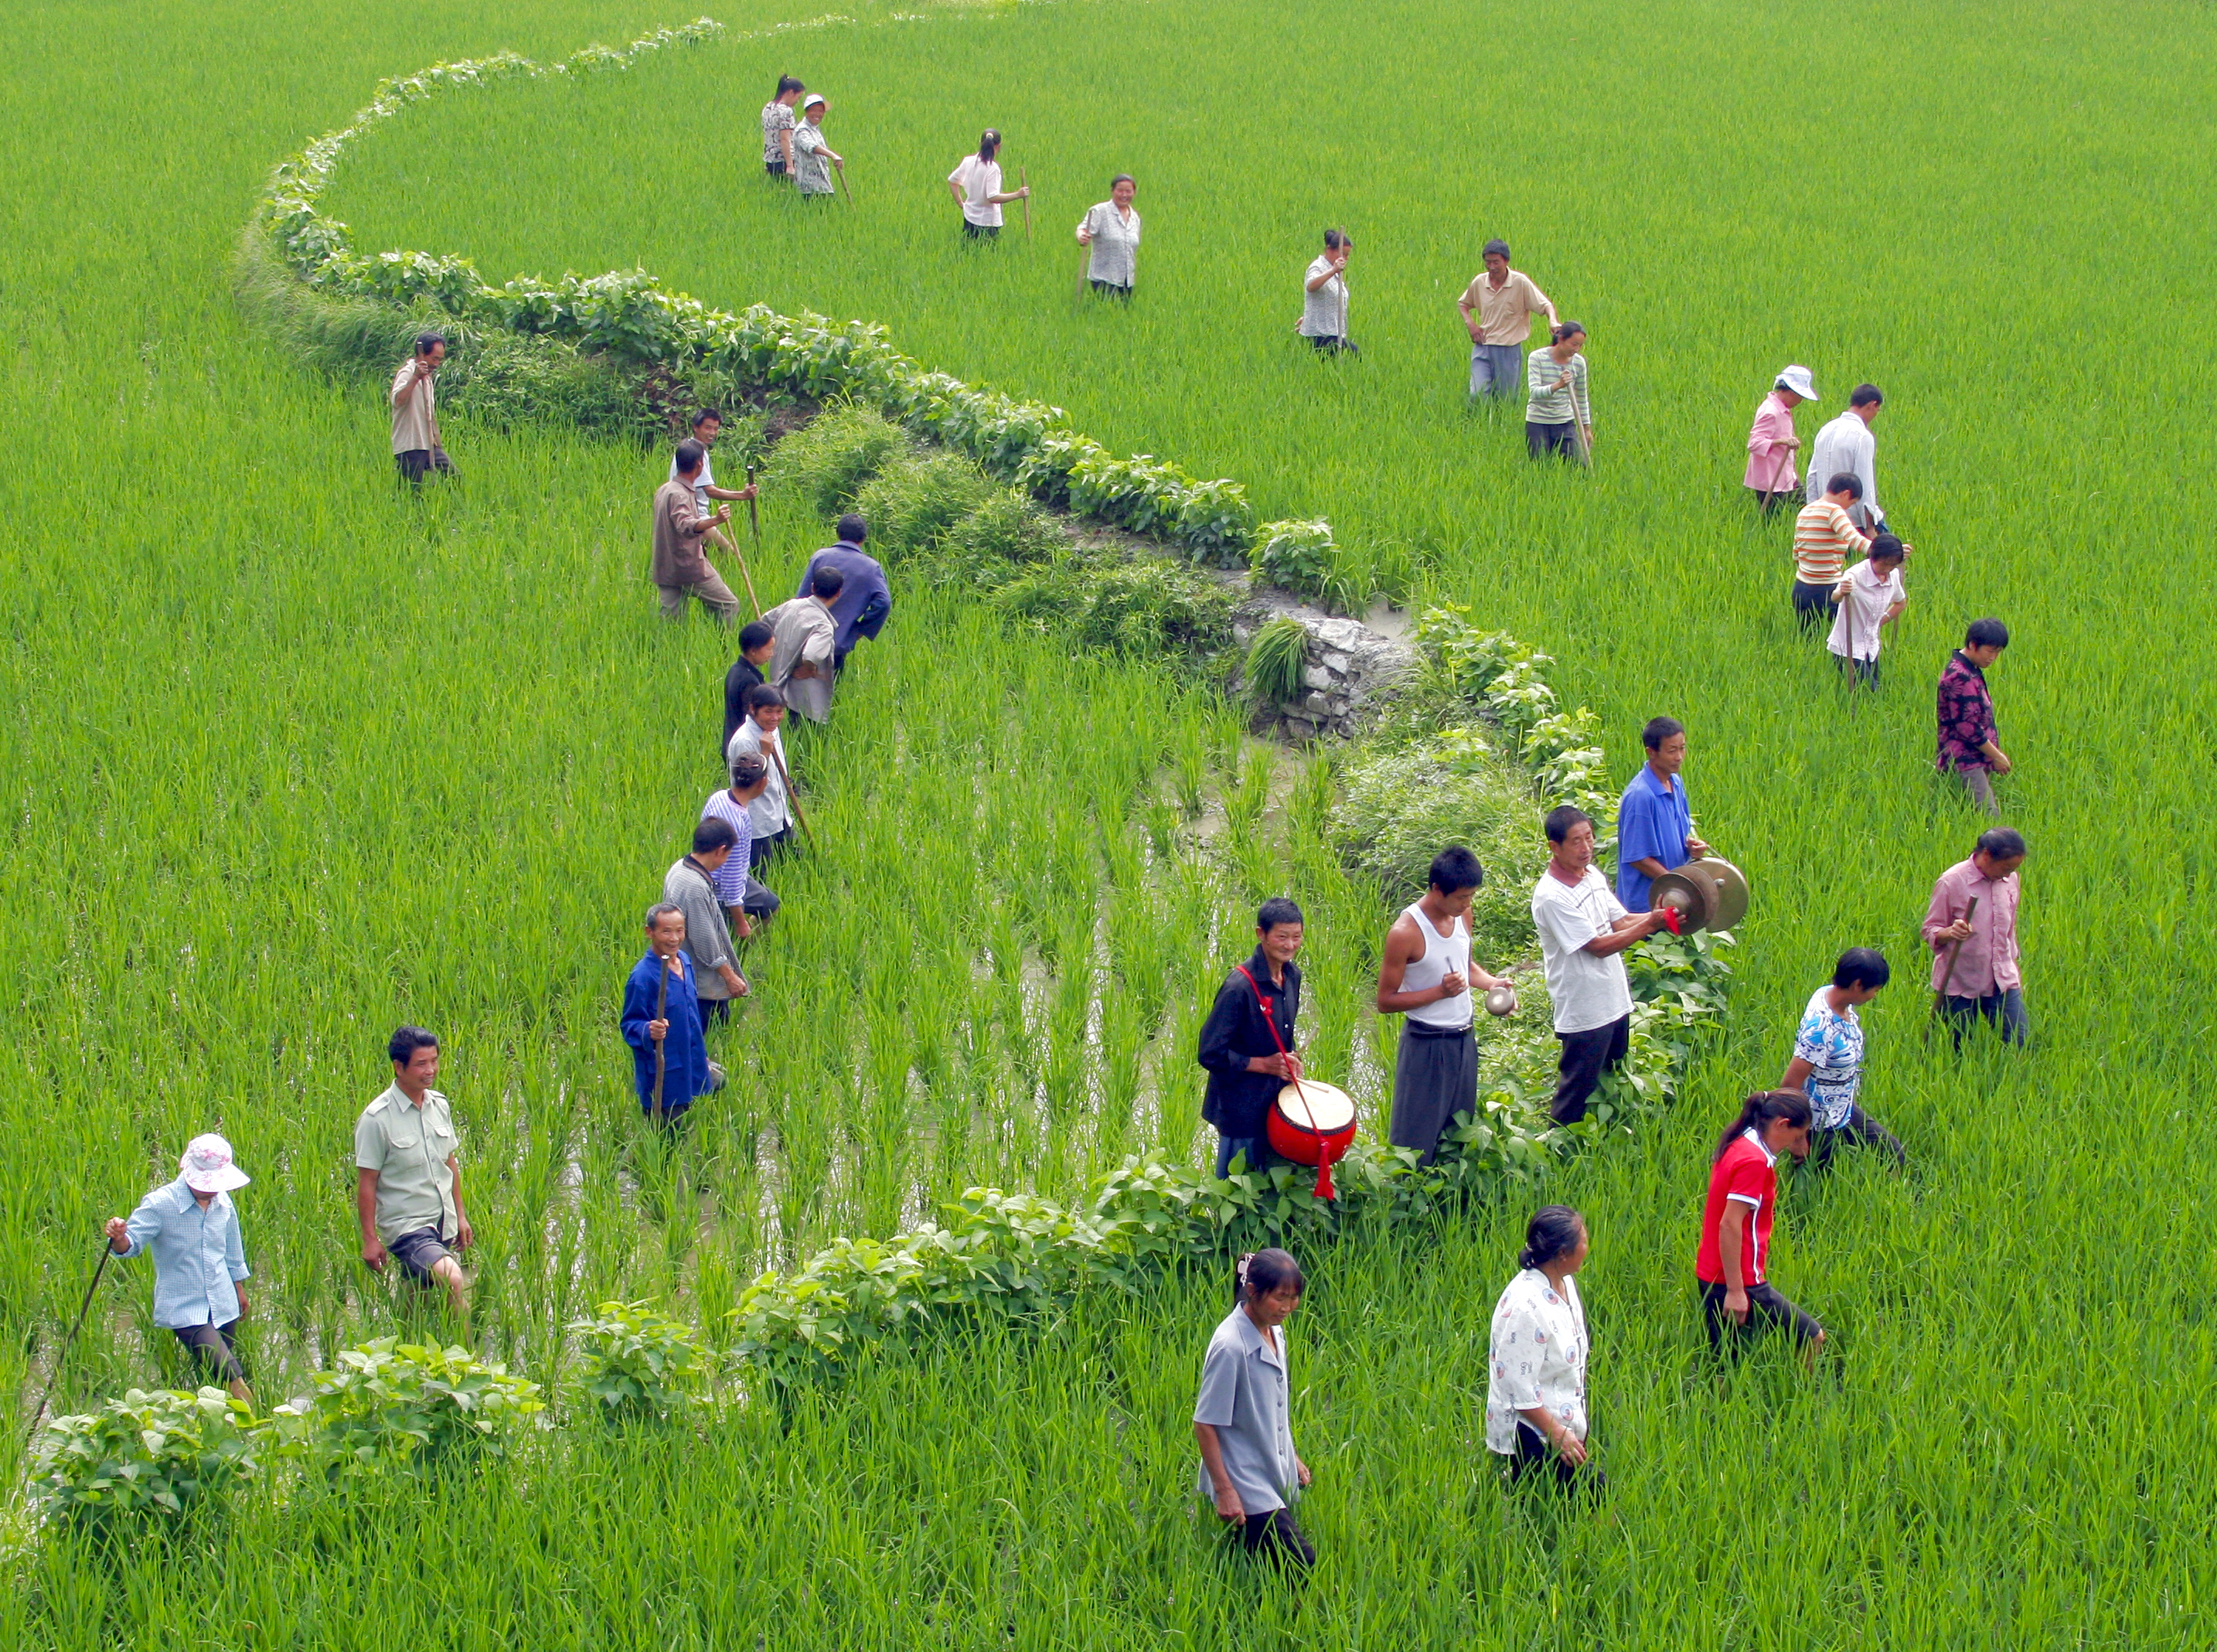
(288, 758)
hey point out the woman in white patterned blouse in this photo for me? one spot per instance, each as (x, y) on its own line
(1535, 1396)
(1111, 229)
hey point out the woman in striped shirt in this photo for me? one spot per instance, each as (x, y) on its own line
(1558, 418)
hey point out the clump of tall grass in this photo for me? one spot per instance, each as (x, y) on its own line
(1276, 659)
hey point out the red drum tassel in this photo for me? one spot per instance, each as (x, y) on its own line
(1324, 1189)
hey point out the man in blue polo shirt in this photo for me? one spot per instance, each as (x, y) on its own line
(1654, 823)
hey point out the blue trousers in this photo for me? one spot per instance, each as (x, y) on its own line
(2003, 1010)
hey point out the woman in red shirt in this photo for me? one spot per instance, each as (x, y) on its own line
(1736, 1301)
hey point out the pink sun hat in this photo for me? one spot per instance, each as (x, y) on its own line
(208, 1168)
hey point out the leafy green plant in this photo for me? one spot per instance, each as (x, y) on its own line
(388, 1407)
(1276, 661)
(831, 459)
(912, 507)
(1295, 556)
(150, 1455)
(638, 1362)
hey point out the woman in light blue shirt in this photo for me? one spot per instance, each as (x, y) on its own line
(200, 1261)
(1248, 1464)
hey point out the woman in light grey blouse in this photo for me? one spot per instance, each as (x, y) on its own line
(1324, 308)
(1112, 230)
(1558, 418)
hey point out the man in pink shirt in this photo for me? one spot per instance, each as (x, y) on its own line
(1974, 959)
(1771, 443)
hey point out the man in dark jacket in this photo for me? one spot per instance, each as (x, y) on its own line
(1247, 1066)
(864, 601)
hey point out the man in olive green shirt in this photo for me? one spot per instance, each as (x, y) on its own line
(408, 1193)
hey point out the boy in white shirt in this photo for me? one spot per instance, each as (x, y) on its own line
(1867, 599)
(1583, 934)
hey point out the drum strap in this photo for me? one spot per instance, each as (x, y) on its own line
(1324, 1188)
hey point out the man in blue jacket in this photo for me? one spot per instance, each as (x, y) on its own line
(864, 601)
(1654, 822)
(661, 1010)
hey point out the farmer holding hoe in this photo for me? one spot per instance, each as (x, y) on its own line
(1971, 926)
(681, 522)
(1654, 822)
(975, 183)
(813, 158)
(200, 1260)
(1324, 305)
(708, 424)
(1498, 308)
(1558, 418)
(415, 449)
(1869, 600)
(661, 1022)
(408, 1190)
(769, 809)
(1771, 442)
(1426, 976)
(1110, 233)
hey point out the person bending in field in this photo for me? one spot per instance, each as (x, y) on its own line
(777, 128)
(1845, 445)
(1498, 308)
(1535, 1390)
(662, 1012)
(1738, 1302)
(199, 1259)
(813, 158)
(679, 569)
(769, 808)
(1558, 419)
(864, 601)
(1243, 1418)
(408, 1189)
(416, 448)
(1827, 1063)
(1654, 821)
(1324, 305)
(804, 643)
(1967, 737)
(1248, 1062)
(975, 183)
(1975, 976)
(1111, 230)
(1583, 934)
(708, 424)
(1869, 600)
(1771, 443)
(746, 902)
(691, 886)
(747, 670)
(1426, 976)
(1823, 537)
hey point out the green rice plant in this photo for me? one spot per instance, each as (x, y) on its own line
(1276, 661)
(147, 1456)
(912, 508)
(638, 1362)
(835, 456)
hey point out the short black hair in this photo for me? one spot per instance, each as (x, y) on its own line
(2001, 843)
(689, 454)
(1493, 246)
(1561, 819)
(1847, 482)
(1455, 868)
(1885, 545)
(407, 1040)
(1659, 729)
(747, 769)
(713, 832)
(1865, 395)
(1862, 966)
(827, 581)
(754, 634)
(1275, 911)
(764, 693)
(851, 529)
(1122, 177)
(1987, 633)
(703, 417)
(789, 84)
(425, 340)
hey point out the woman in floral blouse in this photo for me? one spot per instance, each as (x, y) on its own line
(1535, 1397)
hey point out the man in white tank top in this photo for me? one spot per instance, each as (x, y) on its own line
(1427, 976)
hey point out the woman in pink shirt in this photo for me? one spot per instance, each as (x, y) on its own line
(1771, 443)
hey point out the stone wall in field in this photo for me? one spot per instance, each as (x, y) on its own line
(1349, 671)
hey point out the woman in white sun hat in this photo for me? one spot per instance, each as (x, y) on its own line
(1771, 443)
(200, 1261)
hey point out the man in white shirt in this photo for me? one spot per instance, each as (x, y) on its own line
(415, 449)
(1847, 446)
(772, 820)
(1583, 934)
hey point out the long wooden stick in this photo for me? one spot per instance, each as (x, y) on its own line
(792, 798)
(661, 1044)
(840, 167)
(107, 1250)
(754, 523)
(1948, 975)
(1024, 184)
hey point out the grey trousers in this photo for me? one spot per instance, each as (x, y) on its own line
(713, 594)
(1981, 789)
(1496, 369)
(1434, 1078)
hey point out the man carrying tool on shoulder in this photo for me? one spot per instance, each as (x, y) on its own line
(1971, 926)
(707, 425)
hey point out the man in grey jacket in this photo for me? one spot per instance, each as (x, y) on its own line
(689, 886)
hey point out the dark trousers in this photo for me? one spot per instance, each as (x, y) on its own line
(1332, 345)
(763, 850)
(1586, 1056)
(981, 232)
(1275, 1536)
(1534, 1459)
(1771, 503)
(1261, 1155)
(867, 623)
(1108, 286)
(1812, 605)
(2003, 1010)
(418, 462)
(775, 169)
(1860, 1130)
(1767, 1311)
(1561, 439)
(714, 1010)
(1865, 671)
(1435, 1078)
(213, 1346)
